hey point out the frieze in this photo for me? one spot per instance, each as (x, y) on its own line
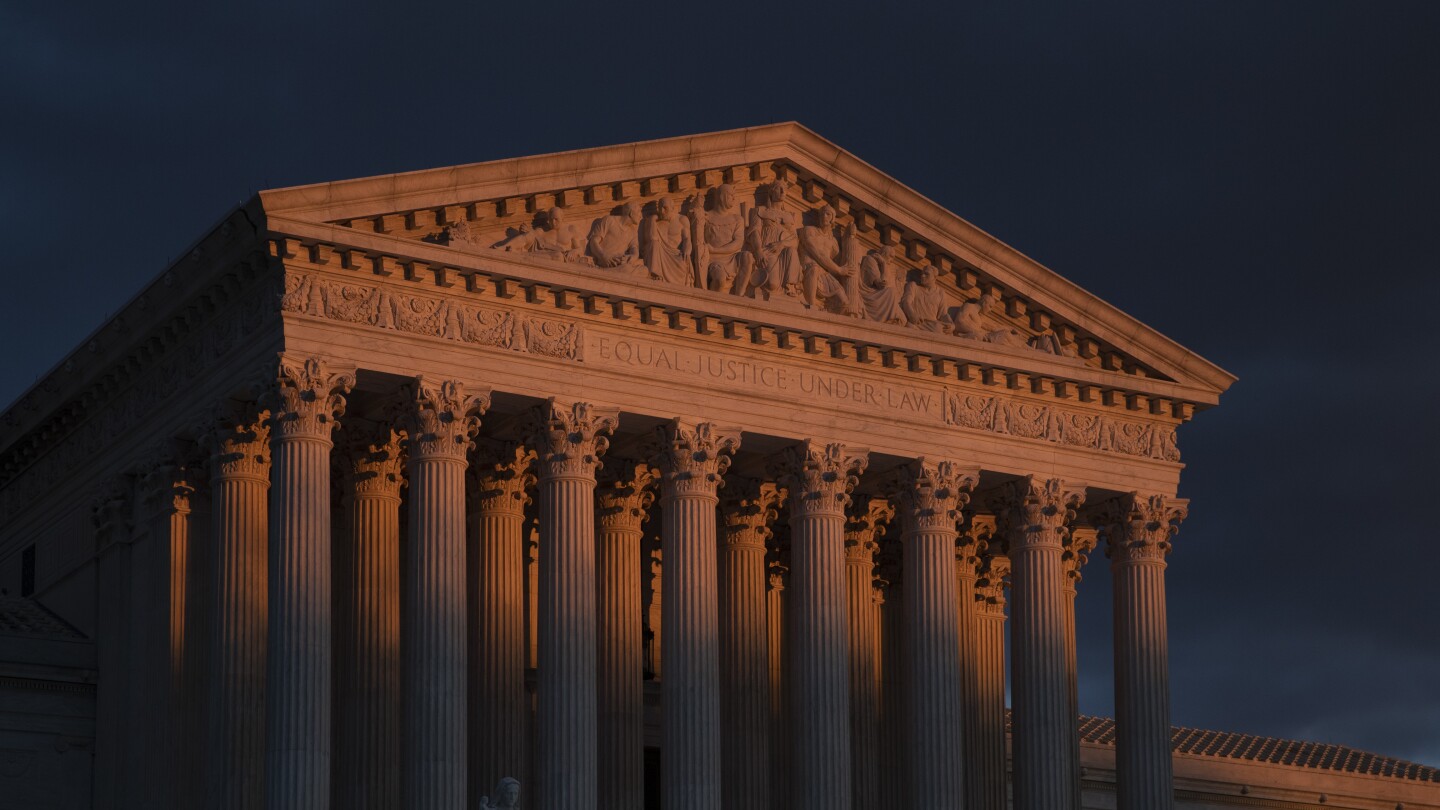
(1083, 429)
(384, 308)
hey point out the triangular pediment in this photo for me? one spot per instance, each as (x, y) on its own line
(774, 215)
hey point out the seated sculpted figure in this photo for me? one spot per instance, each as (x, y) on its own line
(881, 286)
(555, 239)
(773, 244)
(666, 245)
(507, 795)
(924, 302)
(719, 239)
(615, 240)
(970, 316)
(824, 277)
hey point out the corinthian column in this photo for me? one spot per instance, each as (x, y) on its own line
(367, 682)
(986, 781)
(239, 482)
(1138, 539)
(973, 539)
(1046, 770)
(498, 703)
(890, 596)
(748, 509)
(569, 442)
(776, 572)
(692, 461)
(860, 532)
(1079, 542)
(819, 478)
(622, 502)
(306, 400)
(439, 425)
(931, 496)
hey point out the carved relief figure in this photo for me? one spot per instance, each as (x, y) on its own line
(614, 240)
(554, 239)
(823, 276)
(666, 245)
(773, 244)
(881, 286)
(924, 302)
(970, 316)
(507, 795)
(1050, 342)
(719, 239)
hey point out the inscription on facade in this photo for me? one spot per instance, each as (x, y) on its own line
(817, 386)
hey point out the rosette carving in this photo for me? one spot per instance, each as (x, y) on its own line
(972, 541)
(502, 474)
(624, 494)
(1078, 544)
(375, 465)
(820, 477)
(239, 445)
(1037, 511)
(569, 439)
(932, 492)
(747, 509)
(863, 527)
(990, 584)
(693, 457)
(1138, 527)
(442, 420)
(307, 398)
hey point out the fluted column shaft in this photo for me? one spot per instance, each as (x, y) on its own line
(986, 780)
(498, 644)
(891, 628)
(569, 444)
(776, 651)
(819, 479)
(439, 428)
(115, 775)
(367, 737)
(305, 401)
(240, 470)
(860, 532)
(748, 509)
(1045, 769)
(1078, 543)
(1139, 540)
(931, 496)
(692, 460)
(621, 507)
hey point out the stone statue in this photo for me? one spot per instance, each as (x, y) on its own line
(970, 316)
(823, 276)
(719, 239)
(1050, 342)
(615, 240)
(772, 244)
(555, 239)
(666, 245)
(924, 302)
(881, 285)
(507, 795)
(1009, 336)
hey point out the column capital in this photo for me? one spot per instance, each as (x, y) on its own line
(441, 420)
(239, 444)
(111, 513)
(820, 476)
(866, 521)
(166, 488)
(931, 493)
(569, 438)
(747, 509)
(971, 543)
(503, 473)
(1138, 526)
(1078, 544)
(624, 494)
(1037, 511)
(693, 456)
(306, 398)
(990, 584)
(373, 462)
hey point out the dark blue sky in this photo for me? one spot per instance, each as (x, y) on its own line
(1256, 180)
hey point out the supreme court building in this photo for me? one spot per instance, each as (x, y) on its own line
(703, 473)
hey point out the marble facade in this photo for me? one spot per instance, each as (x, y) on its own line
(415, 465)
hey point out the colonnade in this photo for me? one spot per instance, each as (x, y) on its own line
(849, 655)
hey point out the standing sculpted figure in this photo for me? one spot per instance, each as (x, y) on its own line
(555, 238)
(924, 302)
(719, 239)
(507, 795)
(773, 244)
(615, 240)
(666, 245)
(824, 277)
(881, 286)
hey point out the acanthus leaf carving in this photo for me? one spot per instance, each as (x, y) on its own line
(503, 474)
(864, 525)
(820, 476)
(972, 542)
(931, 493)
(624, 494)
(693, 456)
(747, 510)
(306, 398)
(373, 461)
(1078, 544)
(990, 583)
(1037, 511)
(1138, 526)
(441, 420)
(239, 444)
(1052, 423)
(569, 439)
